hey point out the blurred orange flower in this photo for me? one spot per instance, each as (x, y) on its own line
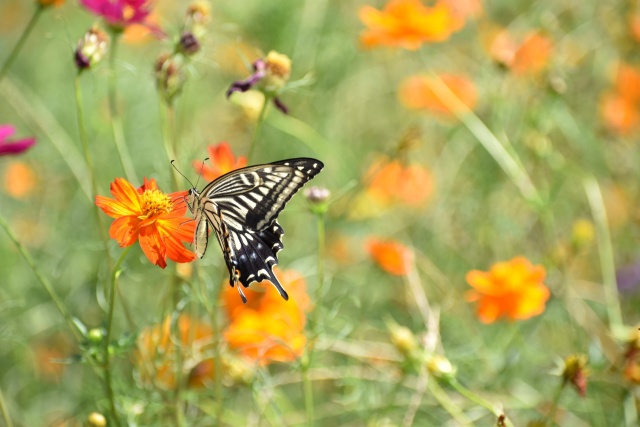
(465, 8)
(19, 179)
(391, 181)
(268, 329)
(415, 93)
(46, 3)
(154, 218)
(222, 161)
(393, 257)
(512, 289)
(50, 354)
(620, 108)
(158, 352)
(529, 57)
(408, 24)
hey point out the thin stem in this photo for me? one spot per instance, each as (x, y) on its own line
(554, 403)
(5, 411)
(116, 122)
(23, 38)
(447, 404)
(167, 119)
(107, 356)
(94, 188)
(605, 250)
(509, 162)
(478, 400)
(308, 390)
(43, 280)
(254, 137)
(92, 176)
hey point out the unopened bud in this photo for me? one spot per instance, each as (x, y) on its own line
(317, 197)
(91, 48)
(403, 339)
(583, 233)
(189, 43)
(575, 372)
(277, 70)
(96, 419)
(95, 335)
(441, 367)
(199, 12)
(170, 76)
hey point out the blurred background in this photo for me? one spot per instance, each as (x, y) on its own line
(455, 135)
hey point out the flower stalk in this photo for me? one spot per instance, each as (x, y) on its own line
(5, 411)
(23, 38)
(107, 341)
(43, 280)
(254, 137)
(116, 122)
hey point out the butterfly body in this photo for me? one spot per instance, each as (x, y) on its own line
(242, 207)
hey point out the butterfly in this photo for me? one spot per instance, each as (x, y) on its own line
(242, 208)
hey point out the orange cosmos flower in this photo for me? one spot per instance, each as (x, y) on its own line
(530, 56)
(511, 289)
(19, 180)
(157, 355)
(620, 107)
(222, 161)
(393, 257)
(152, 217)
(415, 93)
(408, 24)
(46, 3)
(268, 329)
(394, 182)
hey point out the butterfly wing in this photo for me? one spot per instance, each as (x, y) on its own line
(242, 207)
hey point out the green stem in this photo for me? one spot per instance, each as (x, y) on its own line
(5, 411)
(116, 122)
(23, 38)
(167, 119)
(478, 400)
(94, 189)
(308, 390)
(107, 356)
(445, 401)
(509, 162)
(554, 404)
(254, 137)
(605, 251)
(92, 176)
(43, 280)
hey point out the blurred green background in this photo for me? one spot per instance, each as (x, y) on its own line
(349, 116)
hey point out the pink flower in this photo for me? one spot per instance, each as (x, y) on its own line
(119, 14)
(13, 147)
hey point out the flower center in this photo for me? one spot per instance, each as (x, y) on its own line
(155, 203)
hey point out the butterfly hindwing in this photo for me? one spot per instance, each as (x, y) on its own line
(242, 207)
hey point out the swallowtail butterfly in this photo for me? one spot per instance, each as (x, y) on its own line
(242, 207)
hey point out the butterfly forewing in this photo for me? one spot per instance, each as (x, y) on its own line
(242, 207)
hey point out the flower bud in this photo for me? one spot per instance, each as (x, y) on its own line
(95, 335)
(403, 339)
(91, 48)
(441, 368)
(199, 12)
(96, 419)
(170, 76)
(278, 70)
(317, 197)
(189, 44)
(237, 371)
(576, 373)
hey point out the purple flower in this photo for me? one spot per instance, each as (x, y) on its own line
(628, 278)
(271, 73)
(119, 14)
(13, 147)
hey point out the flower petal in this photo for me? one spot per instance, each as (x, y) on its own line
(16, 147)
(125, 230)
(153, 246)
(6, 131)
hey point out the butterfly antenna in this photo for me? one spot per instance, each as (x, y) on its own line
(183, 175)
(201, 169)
